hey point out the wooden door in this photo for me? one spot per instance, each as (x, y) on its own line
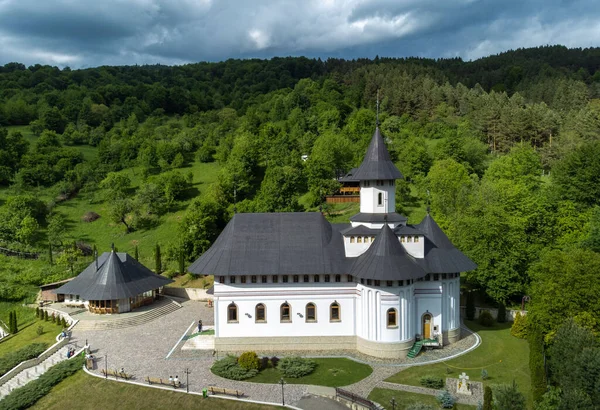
(426, 326)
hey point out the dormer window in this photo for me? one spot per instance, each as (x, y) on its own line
(359, 239)
(416, 239)
(352, 239)
(403, 239)
(409, 239)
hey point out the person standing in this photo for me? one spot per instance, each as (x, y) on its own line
(200, 326)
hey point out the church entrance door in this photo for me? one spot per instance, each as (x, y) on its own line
(426, 326)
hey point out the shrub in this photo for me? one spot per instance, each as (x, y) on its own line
(26, 396)
(170, 273)
(501, 313)
(63, 322)
(446, 400)
(40, 330)
(37, 312)
(487, 398)
(519, 327)
(248, 360)
(470, 309)
(46, 315)
(486, 319)
(264, 363)
(274, 361)
(433, 382)
(295, 366)
(10, 360)
(508, 397)
(484, 374)
(229, 368)
(53, 318)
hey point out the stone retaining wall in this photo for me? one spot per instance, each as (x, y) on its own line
(188, 293)
(385, 350)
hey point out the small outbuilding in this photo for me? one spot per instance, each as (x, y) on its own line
(48, 294)
(114, 283)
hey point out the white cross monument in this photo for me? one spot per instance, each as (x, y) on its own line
(463, 386)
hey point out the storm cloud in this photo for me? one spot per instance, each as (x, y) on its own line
(82, 33)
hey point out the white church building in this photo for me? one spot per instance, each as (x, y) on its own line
(294, 281)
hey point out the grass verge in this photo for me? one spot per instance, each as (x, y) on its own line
(331, 372)
(503, 356)
(28, 334)
(84, 392)
(405, 399)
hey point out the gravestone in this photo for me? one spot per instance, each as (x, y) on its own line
(463, 386)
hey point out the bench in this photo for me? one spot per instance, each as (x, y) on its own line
(165, 382)
(221, 390)
(116, 374)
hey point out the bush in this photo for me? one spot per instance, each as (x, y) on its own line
(63, 322)
(26, 396)
(248, 360)
(446, 400)
(170, 273)
(295, 366)
(433, 382)
(264, 363)
(274, 361)
(501, 313)
(519, 327)
(53, 318)
(484, 374)
(508, 397)
(229, 368)
(46, 315)
(40, 330)
(486, 319)
(487, 398)
(470, 309)
(10, 360)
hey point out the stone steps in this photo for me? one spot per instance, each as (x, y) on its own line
(32, 373)
(414, 351)
(116, 323)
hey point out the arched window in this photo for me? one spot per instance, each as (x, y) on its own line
(286, 312)
(352, 239)
(338, 278)
(316, 278)
(392, 317)
(334, 312)
(232, 313)
(311, 312)
(380, 199)
(260, 313)
(306, 279)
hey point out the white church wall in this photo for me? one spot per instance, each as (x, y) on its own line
(246, 298)
(428, 299)
(414, 245)
(369, 198)
(356, 249)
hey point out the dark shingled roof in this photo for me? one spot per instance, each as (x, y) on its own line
(119, 276)
(386, 259)
(360, 230)
(390, 217)
(407, 230)
(441, 256)
(274, 243)
(349, 177)
(377, 163)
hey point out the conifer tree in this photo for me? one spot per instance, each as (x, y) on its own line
(50, 253)
(181, 263)
(10, 322)
(536, 363)
(136, 255)
(487, 398)
(157, 260)
(45, 315)
(470, 306)
(501, 313)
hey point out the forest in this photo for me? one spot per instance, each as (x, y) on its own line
(505, 150)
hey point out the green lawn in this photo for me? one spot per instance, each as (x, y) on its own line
(334, 372)
(405, 399)
(503, 356)
(84, 392)
(28, 334)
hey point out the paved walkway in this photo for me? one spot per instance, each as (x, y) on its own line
(155, 349)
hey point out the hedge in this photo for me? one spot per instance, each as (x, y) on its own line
(10, 360)
(295, 367)
(26, 396)
(229, 368)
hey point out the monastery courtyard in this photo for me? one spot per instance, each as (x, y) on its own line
(155, 349)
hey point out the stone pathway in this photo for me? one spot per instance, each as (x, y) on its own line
(155, 349)
(32, 373)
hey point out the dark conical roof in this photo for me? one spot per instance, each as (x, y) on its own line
(118, 276)
(377, 163)
(386, 259)
(441, 256)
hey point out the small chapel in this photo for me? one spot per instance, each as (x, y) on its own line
(294, 281)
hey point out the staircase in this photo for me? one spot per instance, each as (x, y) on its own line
(117, 323)
(414, 351)
(32, 373)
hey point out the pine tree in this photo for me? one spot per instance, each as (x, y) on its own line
(15, 323)
(37, 312)
(50, 253)
(470, 306)
(181, 263)
(519, 327)
(136, 255)
(63, 322)
(487, 398)
(53, 318)
(501, 313)
(10, 322)
(157, 260)
(536, 363)
(45, 315)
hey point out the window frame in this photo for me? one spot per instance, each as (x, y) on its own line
(307, 318)
(394, 312)
(236, 310)
(332, 306)
(289, 307)
(264, 309)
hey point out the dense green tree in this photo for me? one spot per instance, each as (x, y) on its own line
(537, 363)
(157, 260)
(577, 176)
(487, 398)
(508, 397)
(116, 186)
(201, 225)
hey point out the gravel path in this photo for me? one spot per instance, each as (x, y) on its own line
(154, 349)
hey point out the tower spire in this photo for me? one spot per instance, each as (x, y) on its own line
(377, 121)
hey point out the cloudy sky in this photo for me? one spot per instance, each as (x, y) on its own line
(84, 33)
